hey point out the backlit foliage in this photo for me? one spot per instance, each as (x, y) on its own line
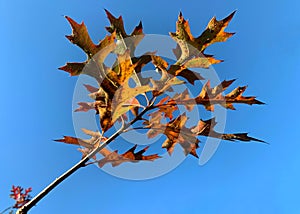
(114, 98)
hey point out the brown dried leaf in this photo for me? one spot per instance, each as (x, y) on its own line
(73, 68)
(81, 38)
(129, 156)
(189, 46)
(206, 128)
(209, 97)
(176, 132)
(201, 62)
(175, 70)
(121, 103)
(214, 32)
(127, 41)
(167, 107)
(90, 88)
(88, 144)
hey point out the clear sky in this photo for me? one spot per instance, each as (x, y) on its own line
(36, 107)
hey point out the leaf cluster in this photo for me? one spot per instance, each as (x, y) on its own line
(113, 97)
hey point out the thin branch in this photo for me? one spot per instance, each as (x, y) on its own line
(80, 164)
(152, 101)
(57, 181)
(136, 128)
(8, 208)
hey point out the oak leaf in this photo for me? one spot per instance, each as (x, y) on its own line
(129, 156)
(125, 41)
(214, 32)
(211, 96)
(189, 46)
(176, 132)
(90, 88)
(166, 106)
(208, 97)
(81, 38)
(87, 144)
(124, 98)
(176, 70)
(206, 128)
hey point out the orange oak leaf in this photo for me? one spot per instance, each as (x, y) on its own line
(114, 96)
(73, 68)
(73, 141)
(168, 108)
(141, 61)
(105, 114)
(90, 88)
(176, 132)
(86, 106)
(188, 148)
(81, 38)
(181, 97)
(209, 97)
(129, 156)
(124, 98)
(123, 69)
(206, 128)
(87, 144)
(214, 32)
(126, 41)
(189, 46)
(201, 62)
(176, 70)
(154, 121)
(166, 81)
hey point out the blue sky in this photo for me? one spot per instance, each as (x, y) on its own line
(36, 107)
